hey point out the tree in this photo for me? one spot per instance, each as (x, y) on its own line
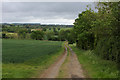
(49, 35)
(107, 26)
(44, 29)
(64, 35)
(100, 31)
(82, 27)
(37, 35)
(58, 29)
(71, 37)
(3, 35)
(22, 33)
(49, 28)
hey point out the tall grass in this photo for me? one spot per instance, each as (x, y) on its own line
(94, 66)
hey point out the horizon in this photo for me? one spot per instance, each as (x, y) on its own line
(32, 23)
(63, 13)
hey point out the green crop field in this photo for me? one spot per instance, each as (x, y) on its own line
(23, 58)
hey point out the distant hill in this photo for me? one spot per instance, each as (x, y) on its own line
(38, 24)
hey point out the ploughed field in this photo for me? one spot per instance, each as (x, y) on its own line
(23, 58)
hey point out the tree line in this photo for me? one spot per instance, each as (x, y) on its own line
(42, 33)
(99, 31)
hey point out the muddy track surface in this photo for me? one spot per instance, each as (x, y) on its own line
(72, 68)
(53, 70)
(75, 69)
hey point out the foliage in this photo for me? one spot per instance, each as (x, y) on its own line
(109, 35)
(85, 40)
(58, 29)
(3, 35)
(99, 31)
(55, 31)
(22, 33)
(44, 29)
(82, 27)
(71, 36)
(63, 34)
(49, 28)
(94, 66)
(50, 35)
(37, 35)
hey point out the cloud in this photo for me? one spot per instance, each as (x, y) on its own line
(55, 0)
(43, 12)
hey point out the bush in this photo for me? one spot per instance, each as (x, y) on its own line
(37, 35)
(3, 35)
(108, 48)
(49, 35)
(22, 33)
(85, 40)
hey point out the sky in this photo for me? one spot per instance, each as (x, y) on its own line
(43, 12)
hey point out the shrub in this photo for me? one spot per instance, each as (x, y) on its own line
(37, 35)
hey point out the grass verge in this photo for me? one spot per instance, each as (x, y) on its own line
(64, 70)
(94, 66)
